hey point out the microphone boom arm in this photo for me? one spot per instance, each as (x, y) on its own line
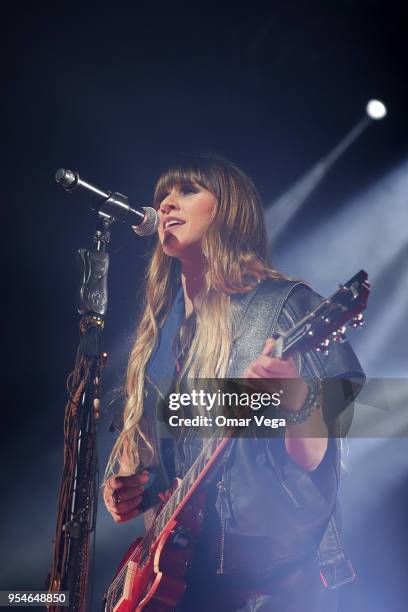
(113, 206)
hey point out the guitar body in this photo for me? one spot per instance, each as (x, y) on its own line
(155, 580)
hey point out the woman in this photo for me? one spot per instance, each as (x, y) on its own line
(212, 304)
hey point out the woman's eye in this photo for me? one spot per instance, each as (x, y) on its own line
(188, 189)
(183, 189)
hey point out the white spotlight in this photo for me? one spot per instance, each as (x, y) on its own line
(376, 109)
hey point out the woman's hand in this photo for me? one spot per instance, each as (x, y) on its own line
(306, 443)
(123, 494)
(292, 389)
(164, 496)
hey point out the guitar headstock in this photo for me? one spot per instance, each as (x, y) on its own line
(326, 323)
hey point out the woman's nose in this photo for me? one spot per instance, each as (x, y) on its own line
(169, 203)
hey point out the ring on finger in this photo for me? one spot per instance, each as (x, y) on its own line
(115, 497)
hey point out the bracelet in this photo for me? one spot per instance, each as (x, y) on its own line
(311, 403)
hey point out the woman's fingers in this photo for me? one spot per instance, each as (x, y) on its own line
(116, 504)
(128, 493)
(122, 518)
(269, 344)
(134, 480)
(260, 370)
(272, 367)
(125, 506)
(123, 495)
(123, 499)
(271, 371)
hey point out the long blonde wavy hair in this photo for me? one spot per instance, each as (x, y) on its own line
(235, 249)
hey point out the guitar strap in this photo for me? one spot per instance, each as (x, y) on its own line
(261, 308)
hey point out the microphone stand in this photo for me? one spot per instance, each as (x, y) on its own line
(78, 494)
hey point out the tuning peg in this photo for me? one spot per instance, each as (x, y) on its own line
(322, 351)
(340, 335)
(341, 338)
(325, 319)
(357, 321)
(323, 347)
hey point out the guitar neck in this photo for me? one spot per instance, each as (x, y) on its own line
(206, 462)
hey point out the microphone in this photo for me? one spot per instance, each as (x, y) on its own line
(112, 205)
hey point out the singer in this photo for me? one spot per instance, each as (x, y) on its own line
(270, 539)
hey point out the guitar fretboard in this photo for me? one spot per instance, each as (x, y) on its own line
(187, 483)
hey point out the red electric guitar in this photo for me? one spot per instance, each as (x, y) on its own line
(152, 576)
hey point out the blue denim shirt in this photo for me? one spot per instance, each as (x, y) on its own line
(161, 368)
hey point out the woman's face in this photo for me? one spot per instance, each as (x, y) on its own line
(185, 214)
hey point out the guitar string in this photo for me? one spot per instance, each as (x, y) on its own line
(182, 490)
(164, 515)
(122, 574)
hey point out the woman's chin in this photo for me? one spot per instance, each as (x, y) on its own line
(172, 247)
(172, 250)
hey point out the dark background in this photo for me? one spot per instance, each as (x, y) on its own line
(115, 93)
